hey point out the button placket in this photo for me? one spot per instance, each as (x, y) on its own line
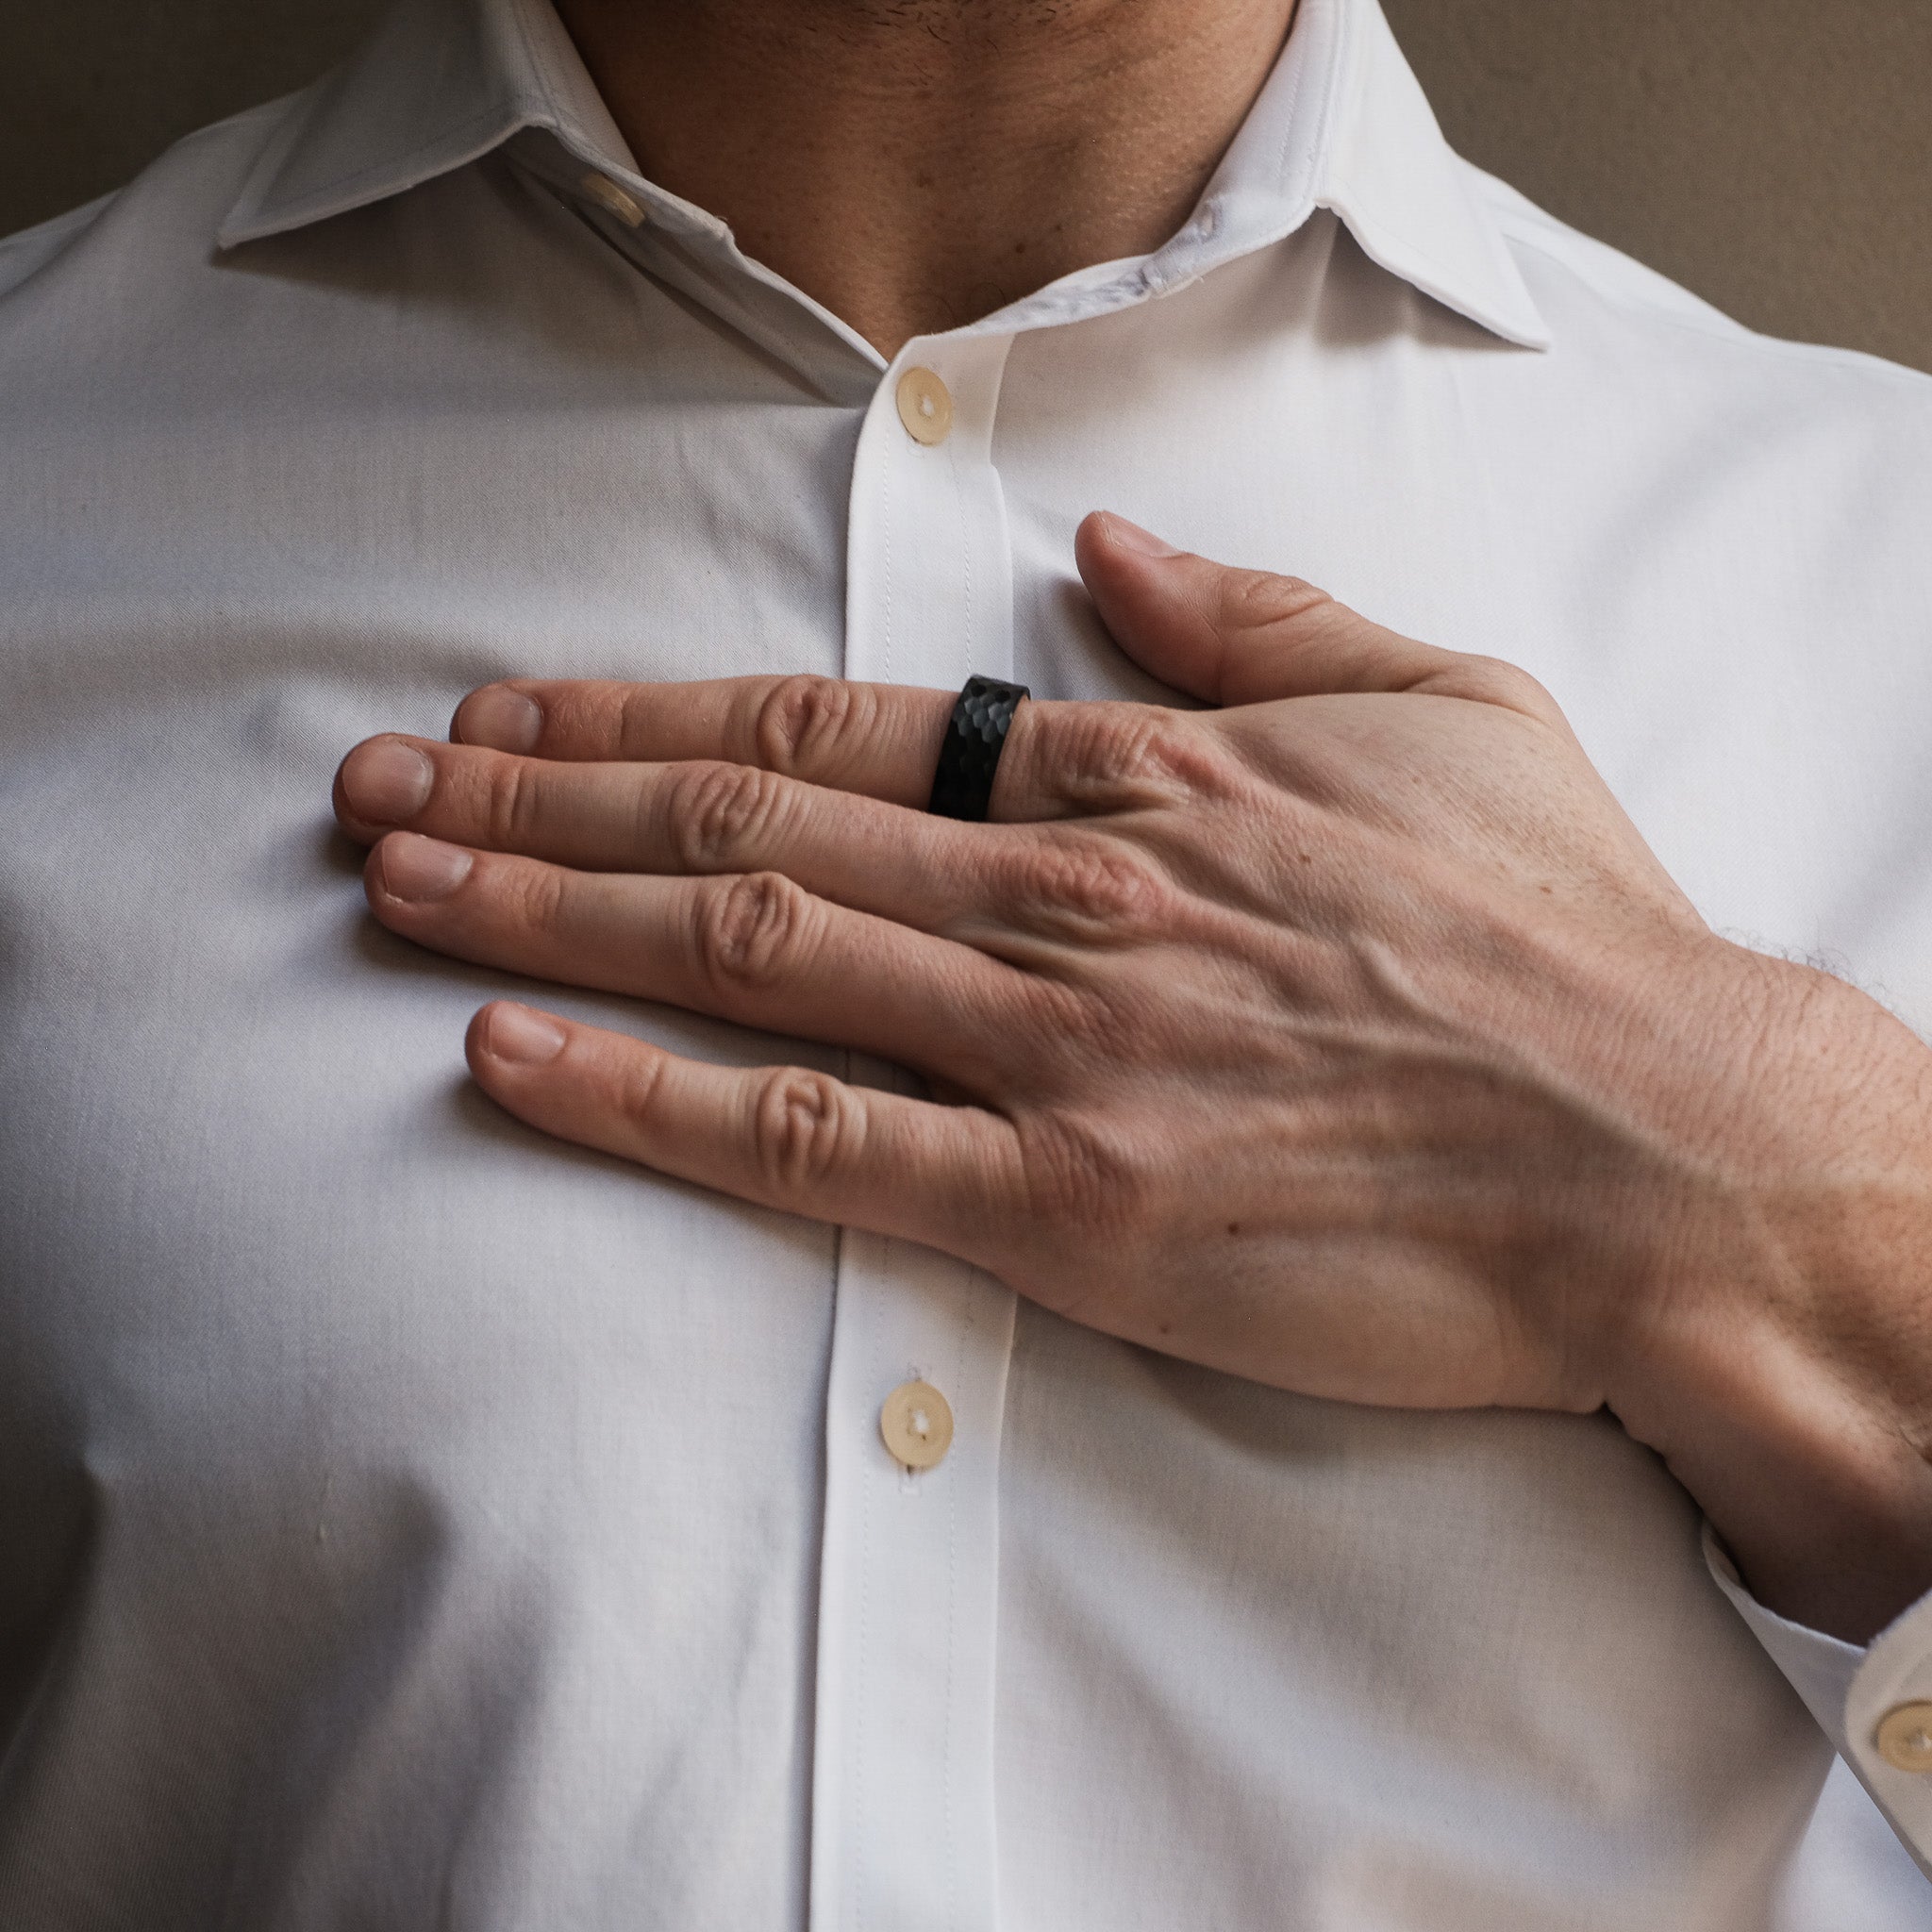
(901, 1796)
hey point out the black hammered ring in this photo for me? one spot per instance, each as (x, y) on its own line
(970, 752)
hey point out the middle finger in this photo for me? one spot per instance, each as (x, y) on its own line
(753, 947)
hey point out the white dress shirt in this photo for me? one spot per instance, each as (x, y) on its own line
(409, 1522)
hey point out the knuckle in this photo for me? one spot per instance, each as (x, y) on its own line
(1258, 599)
(1139, 748)
(633, 717)
(719, 814)
(637, 1097)
(802, 721)
(1499, 682)
(512, 802)
(1097, 882)
(804, 1125)
(537, 900)
(752, 930)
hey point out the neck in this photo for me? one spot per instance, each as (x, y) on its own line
(912, 164)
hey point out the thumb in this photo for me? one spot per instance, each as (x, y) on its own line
(1241, 636)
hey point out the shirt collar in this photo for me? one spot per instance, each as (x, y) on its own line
(1341, 125)
(439, 84)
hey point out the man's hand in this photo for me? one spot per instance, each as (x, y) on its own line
(1347, 1037)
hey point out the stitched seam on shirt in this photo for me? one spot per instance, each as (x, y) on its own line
(530, 54)
(948, 1807)
(948, 1799)
(965, 555)
(1318, 144)
(548, 77)
(851, 1857)
(887, 523)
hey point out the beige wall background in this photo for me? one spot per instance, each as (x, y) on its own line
(1773, 154)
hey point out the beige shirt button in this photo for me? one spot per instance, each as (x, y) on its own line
(1905, 1736)
(611, 197)
(926, 405)
(917, 1424)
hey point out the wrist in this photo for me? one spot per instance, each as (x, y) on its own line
(1823, 1502)
(1783, 1362)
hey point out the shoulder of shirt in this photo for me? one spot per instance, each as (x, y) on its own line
(1618, 282)
(25, 253)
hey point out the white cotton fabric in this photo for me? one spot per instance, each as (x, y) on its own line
(406, 1520)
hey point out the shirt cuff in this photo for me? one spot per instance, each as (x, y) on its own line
(1874, 1703)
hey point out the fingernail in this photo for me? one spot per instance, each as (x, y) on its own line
(502, 719)
(387, 780)
(414, 867)
(1132, 536)
(521, 1035)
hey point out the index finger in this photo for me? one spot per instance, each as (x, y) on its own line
(880, 741)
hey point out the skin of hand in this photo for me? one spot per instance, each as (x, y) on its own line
(915, 164)
(1346, 1036)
